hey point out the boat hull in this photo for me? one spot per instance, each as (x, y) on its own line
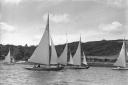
(45, 69)
(9, 63)
(119, 68)
(77, 67)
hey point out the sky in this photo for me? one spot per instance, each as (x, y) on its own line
(24, 21)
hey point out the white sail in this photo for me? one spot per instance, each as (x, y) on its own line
(53, 54)
(77, 56)
(84, 59)
(41, 53)
(121, 60)
(71, 59)
(7, 58)
(63, 58)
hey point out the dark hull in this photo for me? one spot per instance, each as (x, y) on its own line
(81, 68)
(77, 67)
(46, 69)
(9, 63)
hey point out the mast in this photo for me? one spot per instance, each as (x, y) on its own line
(48, 37)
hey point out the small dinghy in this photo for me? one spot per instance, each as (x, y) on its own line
(9, 60)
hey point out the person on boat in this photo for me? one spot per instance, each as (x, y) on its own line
(38, 66)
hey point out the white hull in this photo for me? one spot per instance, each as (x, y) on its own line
(119, 68)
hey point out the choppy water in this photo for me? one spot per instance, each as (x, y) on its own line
(17, 75)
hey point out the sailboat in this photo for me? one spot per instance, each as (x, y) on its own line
(77, 58)
(121, 60)
(9, 59)
(41, 55)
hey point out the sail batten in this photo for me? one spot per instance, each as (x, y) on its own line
(121, 60)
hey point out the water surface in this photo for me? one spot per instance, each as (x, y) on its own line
(17, 75)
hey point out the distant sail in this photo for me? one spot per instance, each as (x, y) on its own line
(121, 60)
(71, 59)
(84, 59)
(63, 58)
(7, 58)
(77, 56)
(53, 54)
(41, 53)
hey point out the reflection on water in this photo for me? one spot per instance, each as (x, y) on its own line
(17, 75)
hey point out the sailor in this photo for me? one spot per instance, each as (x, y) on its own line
(38, 66)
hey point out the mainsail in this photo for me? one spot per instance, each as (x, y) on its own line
(63, 58)
(41, 53)
(71, 59)
(7, 58)
(77, 56)
(84, 59)
(121, 60)
(53, 54)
